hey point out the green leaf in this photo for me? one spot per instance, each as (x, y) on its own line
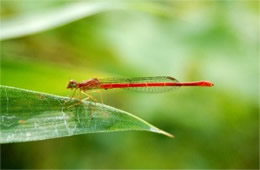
(31, 23)
(48, 19)
(30, 116)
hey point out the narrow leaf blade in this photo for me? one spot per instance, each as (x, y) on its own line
(30, 116)
(45, 20)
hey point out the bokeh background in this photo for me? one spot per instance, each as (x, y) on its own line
(190, 40)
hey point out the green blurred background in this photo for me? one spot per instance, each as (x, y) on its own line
(190, 40)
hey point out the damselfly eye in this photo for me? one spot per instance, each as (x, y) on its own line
(72, 84)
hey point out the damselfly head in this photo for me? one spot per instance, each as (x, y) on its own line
(72, 84)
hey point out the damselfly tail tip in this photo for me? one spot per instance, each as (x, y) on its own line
(208, 84)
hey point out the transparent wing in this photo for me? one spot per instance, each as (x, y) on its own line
(124, 82)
